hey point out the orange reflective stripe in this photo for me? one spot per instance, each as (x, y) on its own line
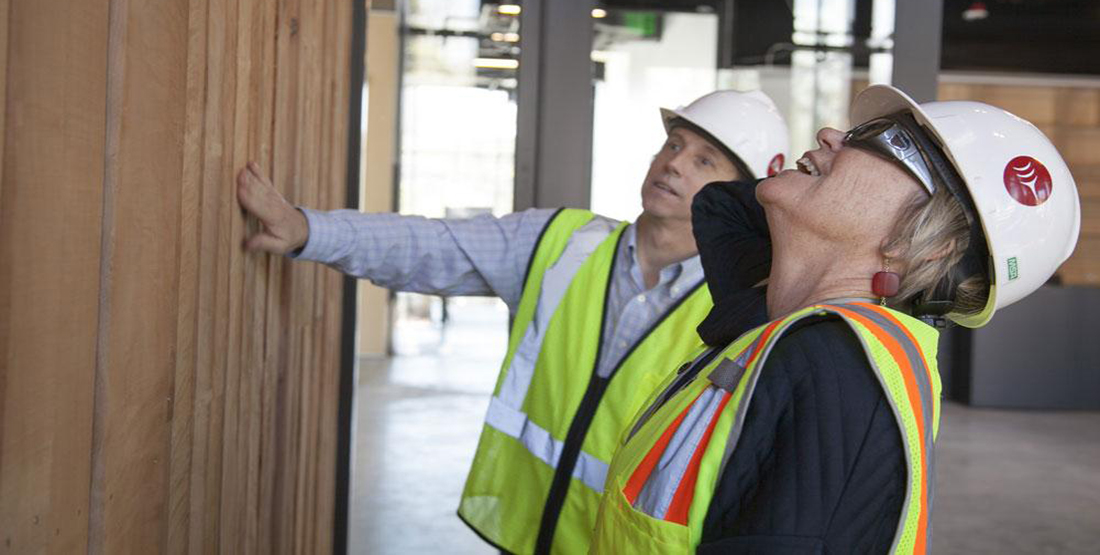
(641, 474)
(761, 341)
(685, 492)
(638, 479)
(886, 314)
(919, 544)
(913, 392)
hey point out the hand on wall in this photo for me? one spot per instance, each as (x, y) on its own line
(285, 227)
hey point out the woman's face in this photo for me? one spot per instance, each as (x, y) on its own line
(838, 193)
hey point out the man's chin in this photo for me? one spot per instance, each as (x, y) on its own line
(662, 210)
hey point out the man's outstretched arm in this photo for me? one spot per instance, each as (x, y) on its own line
(477, 256)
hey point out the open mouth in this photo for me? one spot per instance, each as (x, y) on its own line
(806, 166)
(664, 187)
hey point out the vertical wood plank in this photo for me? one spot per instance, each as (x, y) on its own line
(237, 66)
(183, 398)
(210, 343)
(261, 96)
(146, 114)
(317, 370)
(54, 91)
(267, 307)
(336, 71)
(338, 128)
(285, 176)
(188, 322)
(4, 8)
(204, 418)
(311, 91)
(311, 371)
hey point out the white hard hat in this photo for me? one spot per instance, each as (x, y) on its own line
(1022, 190)
(747, 123)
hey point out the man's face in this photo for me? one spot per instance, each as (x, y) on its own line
(685, 163)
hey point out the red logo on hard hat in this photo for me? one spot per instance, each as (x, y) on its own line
(1028, 181)
(776, 165)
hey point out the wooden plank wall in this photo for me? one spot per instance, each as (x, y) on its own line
(160, 389)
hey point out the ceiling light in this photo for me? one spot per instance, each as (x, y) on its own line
(509, 9)
(496, 63)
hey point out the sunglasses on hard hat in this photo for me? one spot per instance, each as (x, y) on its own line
(890, 140)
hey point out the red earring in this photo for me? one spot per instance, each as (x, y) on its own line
(885, 283)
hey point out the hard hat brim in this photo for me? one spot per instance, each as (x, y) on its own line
(879, 101)
(668, 116)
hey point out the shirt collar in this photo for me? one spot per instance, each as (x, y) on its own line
(680, 275)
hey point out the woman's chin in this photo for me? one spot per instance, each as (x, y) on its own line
(772, 191)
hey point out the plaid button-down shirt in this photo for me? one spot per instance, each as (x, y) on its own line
(486, 256)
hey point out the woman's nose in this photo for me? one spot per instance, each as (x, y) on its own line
(831, 139)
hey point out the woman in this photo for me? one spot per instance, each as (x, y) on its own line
(814, 433)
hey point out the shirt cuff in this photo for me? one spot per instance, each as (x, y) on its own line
(323, 243)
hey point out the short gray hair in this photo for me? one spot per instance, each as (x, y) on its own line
(931, 236)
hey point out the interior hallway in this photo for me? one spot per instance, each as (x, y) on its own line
(1007, 481)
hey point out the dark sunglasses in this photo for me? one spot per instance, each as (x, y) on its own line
(888, 139)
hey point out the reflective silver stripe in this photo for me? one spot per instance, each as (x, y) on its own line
(589, 470)
(555, 282)
(504, 418)
(505, 414)
(662, 483)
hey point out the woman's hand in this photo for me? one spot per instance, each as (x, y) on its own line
(285, 227)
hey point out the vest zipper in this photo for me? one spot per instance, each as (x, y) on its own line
(684, 376)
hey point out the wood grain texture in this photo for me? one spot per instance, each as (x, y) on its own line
(183, 395)
(50, 219)
(162, 390)
(146, 112)
(5, 6)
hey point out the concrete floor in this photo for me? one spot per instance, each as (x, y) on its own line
(1007, 481)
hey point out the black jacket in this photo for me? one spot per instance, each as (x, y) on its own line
(819, 467)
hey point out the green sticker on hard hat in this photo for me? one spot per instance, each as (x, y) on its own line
(1013, 269)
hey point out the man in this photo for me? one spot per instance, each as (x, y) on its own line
(595, 303)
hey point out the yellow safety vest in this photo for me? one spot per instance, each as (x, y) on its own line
(692, 431)
(553, 423)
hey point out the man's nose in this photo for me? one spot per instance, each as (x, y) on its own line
(675, 165)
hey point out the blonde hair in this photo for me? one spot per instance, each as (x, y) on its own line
(930, 238)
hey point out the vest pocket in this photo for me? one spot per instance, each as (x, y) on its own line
(621, 529)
